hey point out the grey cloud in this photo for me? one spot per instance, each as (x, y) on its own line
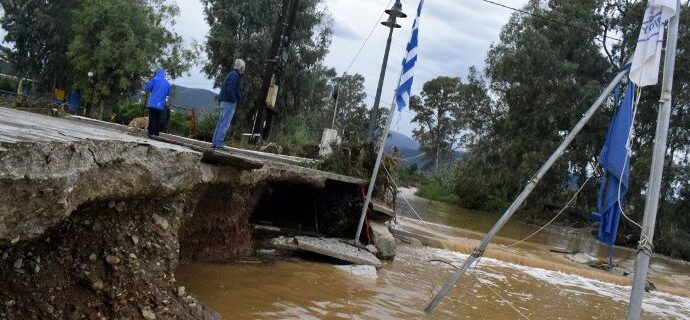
(344, 31)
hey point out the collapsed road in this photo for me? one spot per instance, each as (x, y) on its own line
(94, 221)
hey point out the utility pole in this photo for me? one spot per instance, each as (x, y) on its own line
(269, 68)
(273, 72)
(645, 247)
(393, 14)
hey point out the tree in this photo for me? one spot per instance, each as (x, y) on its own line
(437, 116)
(543, 75)
(118, 42)
(243, 29)
(476, 109)
(39, 32)
(352, 114)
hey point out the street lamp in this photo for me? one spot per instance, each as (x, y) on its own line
(393, 14)
(89, 107)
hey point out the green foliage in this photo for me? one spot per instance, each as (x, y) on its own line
(128, 110)
(351, 160)
(297, 137)
(544, 76)
(243, 29)
(179, 123)
(439, 186)
(120, 41)
(407, 176)
(39, 32)
(206, 125)
(8, 84)
(352, 114)
(437, 117)
(672, 231)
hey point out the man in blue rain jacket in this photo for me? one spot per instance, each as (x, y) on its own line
(159, 89)
(230, 94)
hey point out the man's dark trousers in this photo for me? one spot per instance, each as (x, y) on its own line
(155, 121)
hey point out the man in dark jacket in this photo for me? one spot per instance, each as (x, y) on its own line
(230, 94)
(159, 89)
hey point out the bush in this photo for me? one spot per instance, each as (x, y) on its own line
(206, 125)
(8, 84)
(296, 137)
(179, 123)
(126, 111)
(440, 185)
(408, 176)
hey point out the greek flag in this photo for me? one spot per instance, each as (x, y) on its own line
(647, 57)
(402, 96)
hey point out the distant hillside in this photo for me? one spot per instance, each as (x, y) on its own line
(401, 141)
(201, 100)
(410, 152)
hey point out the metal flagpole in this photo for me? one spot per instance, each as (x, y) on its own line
(645, 247)
(382, 144)
(479, 251)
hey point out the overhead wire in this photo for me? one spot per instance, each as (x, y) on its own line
(373, 28)
(366, 40)
(547, 19)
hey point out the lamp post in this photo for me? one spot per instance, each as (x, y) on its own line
(393, 14)
(87, 110)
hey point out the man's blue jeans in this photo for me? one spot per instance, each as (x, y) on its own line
(227, 111)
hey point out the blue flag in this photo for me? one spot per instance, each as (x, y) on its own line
(402, 95)
(613, 159)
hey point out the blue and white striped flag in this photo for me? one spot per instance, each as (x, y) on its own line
(402, 96)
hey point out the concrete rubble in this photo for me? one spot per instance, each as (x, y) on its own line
(330, 247)
(383, 239)
(337, 249)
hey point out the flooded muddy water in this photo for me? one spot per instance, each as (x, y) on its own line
(525, 282)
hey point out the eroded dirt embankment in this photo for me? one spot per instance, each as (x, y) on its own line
(93, 222)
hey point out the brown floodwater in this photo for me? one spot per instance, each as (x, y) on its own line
(525, 282)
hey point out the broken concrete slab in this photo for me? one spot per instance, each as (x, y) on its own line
(379, 207)
(581, 258)
(261, 227)
(410, 237)
(337, 249)
(383, 240)
(285, 243)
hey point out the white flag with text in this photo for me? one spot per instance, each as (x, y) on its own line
(647, 58)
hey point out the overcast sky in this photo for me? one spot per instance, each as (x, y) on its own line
(454, 34)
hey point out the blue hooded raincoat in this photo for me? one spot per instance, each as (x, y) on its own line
(159, 88)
